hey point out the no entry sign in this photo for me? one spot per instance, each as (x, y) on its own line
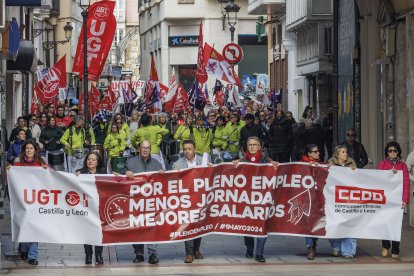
(233, 53)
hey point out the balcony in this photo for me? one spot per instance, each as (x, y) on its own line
(300, 12)
(265, 7)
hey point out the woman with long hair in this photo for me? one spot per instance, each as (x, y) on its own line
(392, 161)
(30, 156)
(308, 116)
(15, 147)
(341, 158)
(93, 164)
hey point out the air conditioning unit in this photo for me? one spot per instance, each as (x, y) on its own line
(2, 13)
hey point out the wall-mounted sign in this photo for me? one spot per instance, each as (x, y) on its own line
(183, 40)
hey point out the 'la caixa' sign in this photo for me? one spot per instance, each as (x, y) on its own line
(183, 40)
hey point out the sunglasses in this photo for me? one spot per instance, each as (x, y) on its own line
(392, 151)
(350, 135)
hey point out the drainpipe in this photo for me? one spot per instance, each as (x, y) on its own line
(335, 73)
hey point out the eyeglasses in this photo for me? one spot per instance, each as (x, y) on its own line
(262, 115)
(145, 148)
(350, 135)
(392, 151)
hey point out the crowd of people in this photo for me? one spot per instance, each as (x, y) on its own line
(56, 137)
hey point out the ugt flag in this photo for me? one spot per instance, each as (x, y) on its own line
(100, 28)
(47, 88)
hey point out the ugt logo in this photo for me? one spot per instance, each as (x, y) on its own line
(45, 197)
(102, 12)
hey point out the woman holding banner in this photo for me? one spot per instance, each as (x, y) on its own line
(393, 162)
(254, 154)
(311, 156)
(348, 246)
(29, 156)
(93, 164)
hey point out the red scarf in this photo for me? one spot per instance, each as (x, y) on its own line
(254, 158)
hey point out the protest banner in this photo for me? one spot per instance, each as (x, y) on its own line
(255, 200)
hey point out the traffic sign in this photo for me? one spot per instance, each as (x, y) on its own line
(233, 53)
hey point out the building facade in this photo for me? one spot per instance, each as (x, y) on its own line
(169, 31)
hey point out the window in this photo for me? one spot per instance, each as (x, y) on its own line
(327, 40)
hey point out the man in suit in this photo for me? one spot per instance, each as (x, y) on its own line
(190, 160)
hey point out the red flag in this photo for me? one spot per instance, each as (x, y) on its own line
(33, 105)
(218, 67)
(178, 102)
(152, 89)
(108, 100)
(94, 100)
(101, 27)
(47, 89)
(201, 74)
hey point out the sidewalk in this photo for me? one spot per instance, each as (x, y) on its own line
(222, 254)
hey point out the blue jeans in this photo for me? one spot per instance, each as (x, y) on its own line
(249, 242)
(348, 247)
(30, 248)
(335, 244)
(310, 241)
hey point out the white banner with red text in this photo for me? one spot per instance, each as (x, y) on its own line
(257, 200)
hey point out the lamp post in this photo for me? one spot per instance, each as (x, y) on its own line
(232, 9)
(48, 45)
(84, 4)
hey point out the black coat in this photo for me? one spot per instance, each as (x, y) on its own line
(52, 135)
(299, 142)
(279, 138)
(246, 132)
(316, 135)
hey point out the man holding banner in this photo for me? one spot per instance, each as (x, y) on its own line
(190, 160)
(138, 164)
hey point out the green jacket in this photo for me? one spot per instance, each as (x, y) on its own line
(114, 143)
(233, 136)
(151, 133)
(183, 133)
(202, 138)
(220, 137)
(76, 140)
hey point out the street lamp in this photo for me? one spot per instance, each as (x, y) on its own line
(232, 9)
(84, 5)
(48, 45)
